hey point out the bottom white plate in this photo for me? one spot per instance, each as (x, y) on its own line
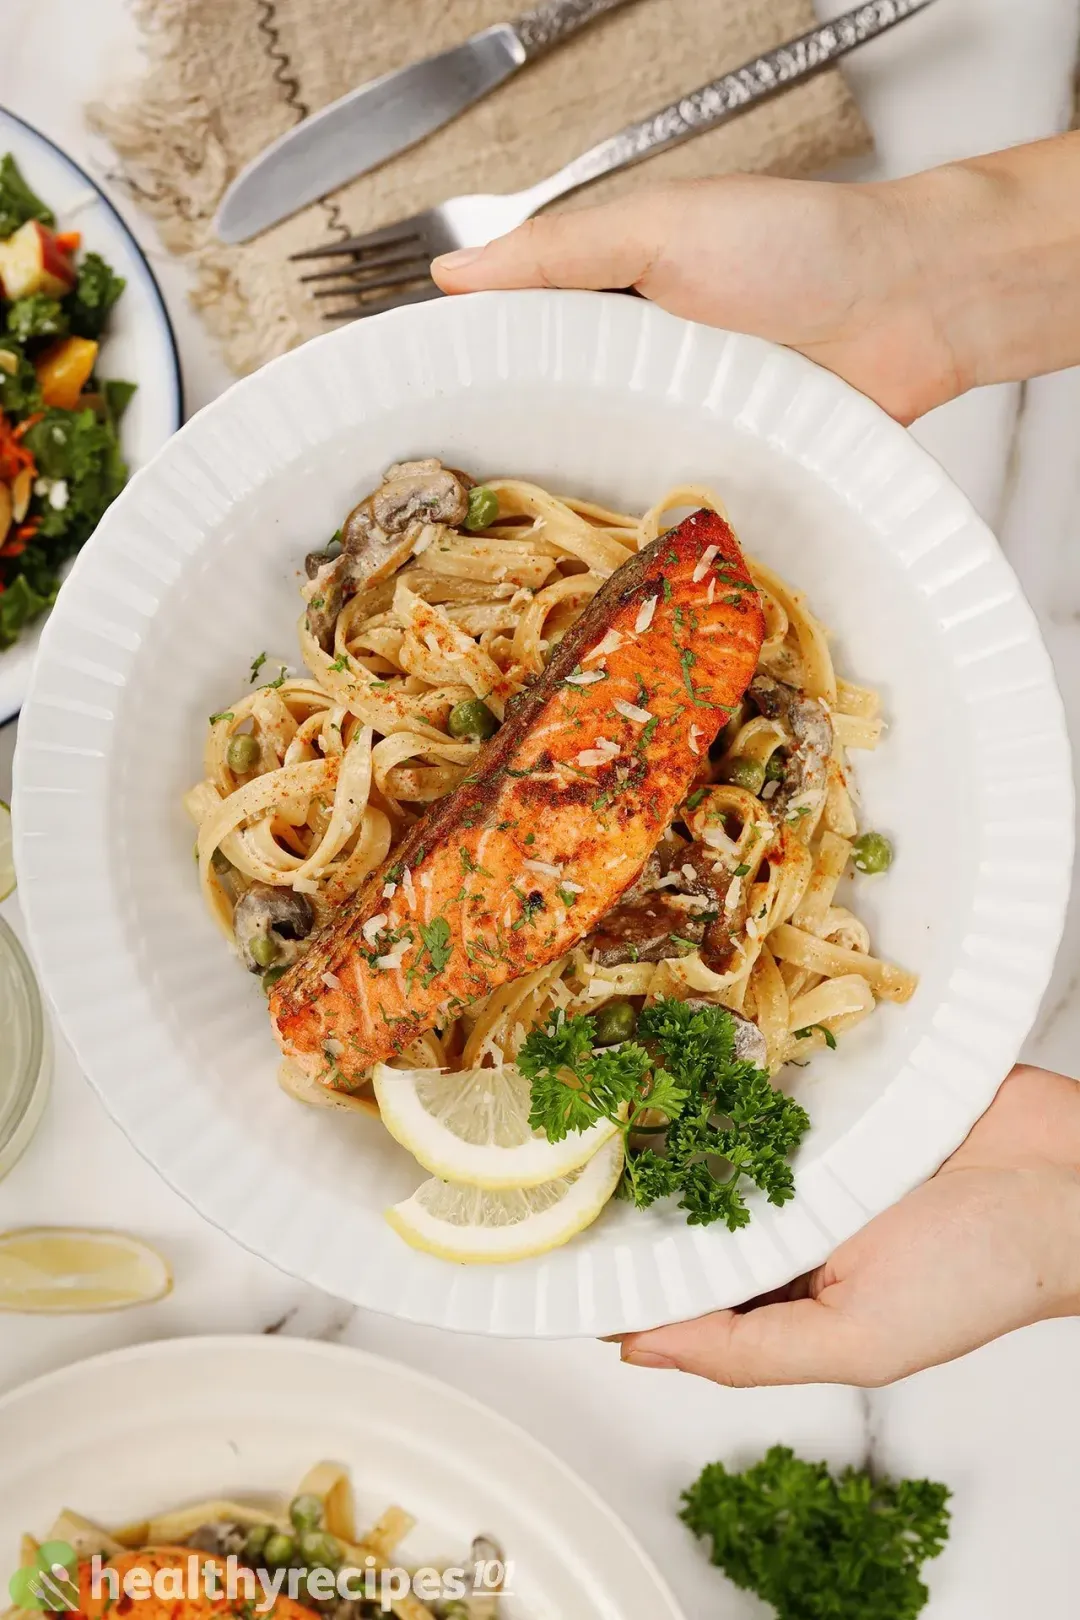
(159, 1425)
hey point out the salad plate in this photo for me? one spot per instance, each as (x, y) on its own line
(138, 343)
(136, 1433)
(193, 578)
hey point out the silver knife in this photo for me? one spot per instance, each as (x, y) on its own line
(389, 114)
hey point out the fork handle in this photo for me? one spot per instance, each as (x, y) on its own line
(728, 96)
(549, 23)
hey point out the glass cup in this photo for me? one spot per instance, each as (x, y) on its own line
(25, 1051)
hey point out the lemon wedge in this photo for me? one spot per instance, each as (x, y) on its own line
(60, 1269)
(7, 858)
(472, 1127)
(479, 1228)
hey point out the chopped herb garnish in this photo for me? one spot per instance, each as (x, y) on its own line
(436, 938)
(341, 663)
(226, 714)
(469, 865)
(741, 871)
(695, 798)
(805, 1034)
(257, 664)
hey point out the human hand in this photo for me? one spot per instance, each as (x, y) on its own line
(914, 290)
(990, 1244)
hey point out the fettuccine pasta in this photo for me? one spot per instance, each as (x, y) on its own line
(311, 780)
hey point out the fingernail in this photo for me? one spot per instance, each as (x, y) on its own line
(458, 260)
(647, 1358)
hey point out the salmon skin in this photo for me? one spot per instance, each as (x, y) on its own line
(563, 808)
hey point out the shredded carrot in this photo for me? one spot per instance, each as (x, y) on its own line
(14, 455)
(13, 548)
(69, 241)
(27, 423)
(26, 531)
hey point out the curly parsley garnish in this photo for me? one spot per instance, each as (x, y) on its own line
(816, 1545)
(726, 1125)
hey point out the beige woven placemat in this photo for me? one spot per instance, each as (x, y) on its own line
(227, 76)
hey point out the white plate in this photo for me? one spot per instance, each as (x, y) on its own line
(140, 344)
(195, 570)
(155, 1427)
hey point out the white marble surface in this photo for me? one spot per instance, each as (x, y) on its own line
(1001, 1427)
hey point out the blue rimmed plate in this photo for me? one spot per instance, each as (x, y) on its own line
(140, 343)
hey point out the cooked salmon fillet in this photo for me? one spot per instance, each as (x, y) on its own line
(178, 1561)
(564, 807)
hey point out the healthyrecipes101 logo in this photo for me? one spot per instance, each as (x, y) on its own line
(51, 1582)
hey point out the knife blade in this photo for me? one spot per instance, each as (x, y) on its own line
(387, 115)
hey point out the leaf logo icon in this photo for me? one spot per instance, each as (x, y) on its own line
(50, 1583)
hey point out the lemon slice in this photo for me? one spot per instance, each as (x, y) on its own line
(60, 1269)
(7, 858)
(473, 1127)
(480, 1228)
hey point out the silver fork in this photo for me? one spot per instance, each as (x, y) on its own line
(388, 268)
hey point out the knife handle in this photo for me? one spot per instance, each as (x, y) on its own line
(549, 23)
(725, 97)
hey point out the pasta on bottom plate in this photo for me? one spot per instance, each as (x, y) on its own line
(227, 1560)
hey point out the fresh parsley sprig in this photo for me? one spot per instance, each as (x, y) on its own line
(819, 1546)
(725, 1123)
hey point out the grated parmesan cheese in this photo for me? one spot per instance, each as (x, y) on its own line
(630, 711)
(408, 888)
(689, 873)
(717, 838)
(704, 563)
(332, 1047)
(573, 888)
(302, 885)
(769, 789)
(373, 927)
(331, 981)
(586, 678)
(546, 867)
(590, 757)
(393, 959)
(731, 899)
(389, 891)
(710, 594)
(645, 614)
(609, 644)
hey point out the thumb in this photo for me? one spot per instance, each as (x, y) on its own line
(804, 1341)
(615, 245)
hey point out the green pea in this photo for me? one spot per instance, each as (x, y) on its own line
(279, 1549)
(320, 1550)
(271, 977)
(265, 949)
(746, 773)
(472, 718)
(483, 507)
(872, 852)
(774, 768)
(616, 1021)
(255, 1541)
(306, 1512)
(242, 753)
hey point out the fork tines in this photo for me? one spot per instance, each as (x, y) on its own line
(379, 271)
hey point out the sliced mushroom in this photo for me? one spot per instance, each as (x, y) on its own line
(649, 921)
(280, 916)
(806, 775)
(379, 535)
(418, 491)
